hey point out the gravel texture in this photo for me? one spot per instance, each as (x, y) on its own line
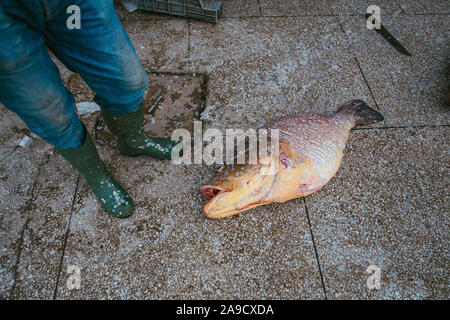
(387, 206)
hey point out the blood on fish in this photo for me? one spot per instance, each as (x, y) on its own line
(210, 192)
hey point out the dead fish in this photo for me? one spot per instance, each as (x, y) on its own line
(310, 153)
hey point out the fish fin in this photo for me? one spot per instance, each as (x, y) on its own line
(286, 185)
(312, 186)
(362, 114)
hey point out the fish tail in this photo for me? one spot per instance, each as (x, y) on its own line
(361, 112)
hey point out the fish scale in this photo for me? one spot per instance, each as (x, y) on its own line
(320, 138)
(311, 152)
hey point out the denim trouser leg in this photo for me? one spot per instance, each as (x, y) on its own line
(30, 85)
(100, 52)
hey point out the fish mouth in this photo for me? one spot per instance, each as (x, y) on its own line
(227, 202)
(214, 210)
(211, 191)
(215, 194)
(233, 193)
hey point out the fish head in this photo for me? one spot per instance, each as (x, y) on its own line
(236, 189)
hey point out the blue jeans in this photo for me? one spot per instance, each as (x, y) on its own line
(100, 51)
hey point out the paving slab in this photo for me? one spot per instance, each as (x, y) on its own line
(387, 207)
(43, 240)
(354, 7)
(12, 128)
(161, 44)
(295, 8)
(262, 69)
(18, 171)
(169, 249)
(424, 6)
(239, 8)
(174, 101)
(409, 90)
(324, 7)
(36, 188)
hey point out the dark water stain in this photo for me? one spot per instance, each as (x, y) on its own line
(174, 100)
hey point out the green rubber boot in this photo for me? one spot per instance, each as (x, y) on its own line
(108, 191)
(132, 140)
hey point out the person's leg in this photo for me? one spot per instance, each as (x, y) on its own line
(102, 53)
(30, 85)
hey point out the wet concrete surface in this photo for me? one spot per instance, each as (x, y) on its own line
(386, 207)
